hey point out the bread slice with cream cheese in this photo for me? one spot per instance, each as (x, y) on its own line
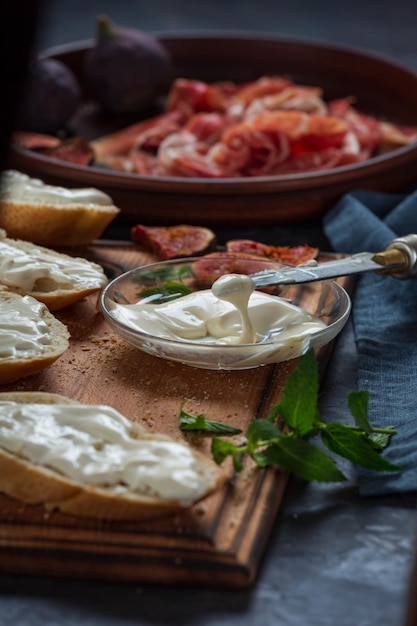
(90, 460)
(50, 215)
(31, 338)
(54, 278)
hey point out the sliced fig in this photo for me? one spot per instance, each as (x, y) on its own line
(290, 255)
(34, 141)
(211, 266)
(174, 242)
(51, 96)
(126, 69)
(74, 150)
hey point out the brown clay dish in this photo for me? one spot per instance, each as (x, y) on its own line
(381, 87)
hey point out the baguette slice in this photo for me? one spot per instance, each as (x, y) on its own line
(32, 470)
(56, 279)
(50, 215)
(31, 338)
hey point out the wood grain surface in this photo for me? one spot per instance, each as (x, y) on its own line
(218, 542)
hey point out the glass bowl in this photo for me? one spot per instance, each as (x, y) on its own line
(164, 282)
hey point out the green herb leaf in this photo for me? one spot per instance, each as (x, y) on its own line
(165, 282)
(164, 274)
(267, 445)
(170, 290)
(261, 429)
(221, 449)
(380, 440)
(358, 406)
(354, 445)
(188, 421)
(298, 405)
(302, 458)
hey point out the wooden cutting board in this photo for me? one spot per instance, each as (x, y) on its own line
(219, 541)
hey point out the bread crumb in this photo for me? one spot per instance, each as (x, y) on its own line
(201, 509)
(95, 339)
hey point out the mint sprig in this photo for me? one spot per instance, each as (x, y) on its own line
(170, 290)
(291, 447)
(189, 421)
(165, 283)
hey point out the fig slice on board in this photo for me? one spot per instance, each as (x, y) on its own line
(290, 255)
(215, 264)
(174, 242)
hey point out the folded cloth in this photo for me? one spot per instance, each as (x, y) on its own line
(384, 314)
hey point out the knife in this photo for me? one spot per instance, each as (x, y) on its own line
(398, 259)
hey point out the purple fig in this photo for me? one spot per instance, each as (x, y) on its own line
(126, 69)
(50, 96)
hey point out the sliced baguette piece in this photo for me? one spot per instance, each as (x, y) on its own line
(31, 338)
(50, 215)
(128, 473)
(54, 278)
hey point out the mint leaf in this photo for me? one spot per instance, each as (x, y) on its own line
(267, 445)
(188, 421)
(221, 449)
(164, 284)
(298, 405)
(358, 406)
(260, 430)
(300, 457)
(380, 440)
(166, 292)
(165, 273)
(353, 444)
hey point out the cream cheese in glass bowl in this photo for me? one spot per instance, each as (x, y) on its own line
(205, 312)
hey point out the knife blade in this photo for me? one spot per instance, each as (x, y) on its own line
(399, 259)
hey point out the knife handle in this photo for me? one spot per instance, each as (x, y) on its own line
(401, 251)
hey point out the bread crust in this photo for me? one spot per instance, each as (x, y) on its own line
(33, 484)
(13, 368)
(49, 225)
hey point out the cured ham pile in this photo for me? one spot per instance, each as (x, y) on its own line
(268, 127)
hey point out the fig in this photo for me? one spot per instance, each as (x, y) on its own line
(215, 264)
(51, 95)
(73, 150)
(291, 255)
(174, 242)
(126, 69)
(34, 141)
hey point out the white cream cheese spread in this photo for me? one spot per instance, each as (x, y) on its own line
(25, 268)
(23, 332)
(231, 314)
(18, 187)
(95, 444)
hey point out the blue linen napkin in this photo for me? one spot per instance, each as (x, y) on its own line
(384, 315)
